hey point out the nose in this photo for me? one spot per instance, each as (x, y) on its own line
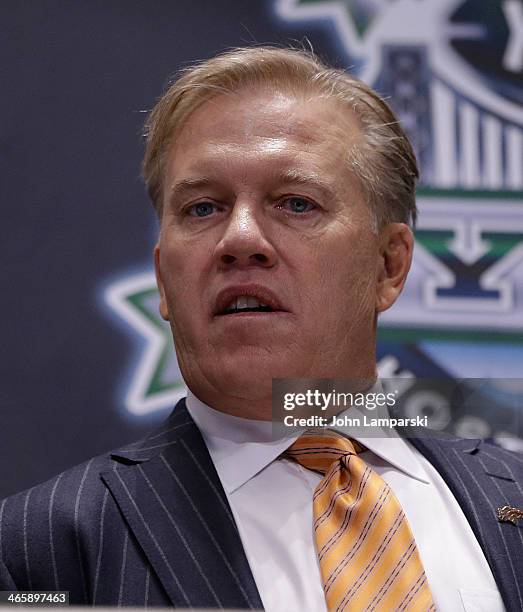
(244, 242)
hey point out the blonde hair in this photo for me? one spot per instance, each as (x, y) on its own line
(384, 162)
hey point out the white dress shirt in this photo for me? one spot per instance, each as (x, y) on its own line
(271, 500)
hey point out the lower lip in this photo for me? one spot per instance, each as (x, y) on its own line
(253, 315)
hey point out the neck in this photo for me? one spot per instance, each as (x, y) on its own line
(251, 403)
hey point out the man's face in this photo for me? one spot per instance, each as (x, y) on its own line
(261, 211)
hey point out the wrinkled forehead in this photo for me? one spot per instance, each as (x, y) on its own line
(266, 117)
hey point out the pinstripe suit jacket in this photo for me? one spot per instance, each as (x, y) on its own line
(150, 524)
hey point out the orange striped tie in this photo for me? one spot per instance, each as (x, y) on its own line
(367, 553)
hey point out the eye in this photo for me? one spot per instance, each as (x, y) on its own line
(202, 209)
(297, 205)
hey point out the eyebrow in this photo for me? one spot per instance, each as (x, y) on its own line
(307, 179)
(289, 176)
(188, 185)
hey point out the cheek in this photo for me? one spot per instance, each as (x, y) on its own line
(347, 277)
(176, 269)
(186, 271)
(352, 258)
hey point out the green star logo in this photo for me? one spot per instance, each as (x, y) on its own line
(156, 382)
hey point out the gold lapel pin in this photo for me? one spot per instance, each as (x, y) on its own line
(508, 514)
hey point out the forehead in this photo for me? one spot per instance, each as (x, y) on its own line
(260, 124)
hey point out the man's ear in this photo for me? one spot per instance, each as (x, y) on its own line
(396, 246)
(164, 312)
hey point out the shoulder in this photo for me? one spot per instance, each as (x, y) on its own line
(475, 469)
(73, 504)
(445, 447)
(37, 523)
(56, 494)
(62, 505)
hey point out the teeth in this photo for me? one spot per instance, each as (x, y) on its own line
(245, 301)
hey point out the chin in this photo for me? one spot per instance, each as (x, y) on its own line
(247, 374)
(255, 370)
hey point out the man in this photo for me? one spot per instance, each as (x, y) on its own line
(285, 190)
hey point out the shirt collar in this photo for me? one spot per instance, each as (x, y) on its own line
(241, 448)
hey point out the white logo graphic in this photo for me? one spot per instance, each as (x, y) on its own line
(473, 128)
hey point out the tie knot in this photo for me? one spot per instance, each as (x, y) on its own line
(319, 450)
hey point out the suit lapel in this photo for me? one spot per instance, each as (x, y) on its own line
(170, 495)
(484, 478)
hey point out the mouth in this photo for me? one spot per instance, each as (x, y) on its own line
(247, 299)
(245, 303)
